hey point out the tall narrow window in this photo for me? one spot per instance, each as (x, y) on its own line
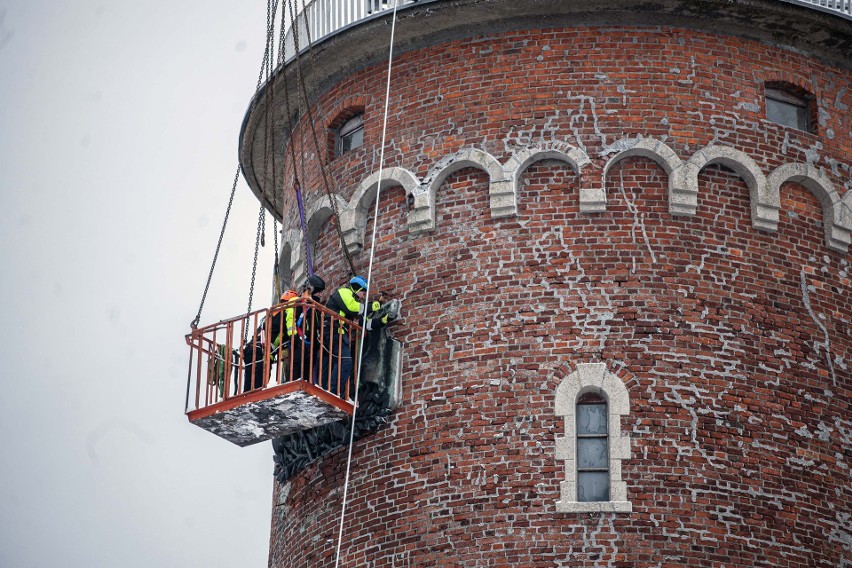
(592, 402)
(350, 135)
(592, 448)
(788, 107)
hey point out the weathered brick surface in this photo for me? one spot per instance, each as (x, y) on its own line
(734, 344)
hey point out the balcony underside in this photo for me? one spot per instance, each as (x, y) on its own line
(270, 413)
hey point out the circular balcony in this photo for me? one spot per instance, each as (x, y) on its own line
(323, 18)
(348, 35)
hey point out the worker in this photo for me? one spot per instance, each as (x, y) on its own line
(280, 330)
(255, 348)
(253, 360)
(348, 302)
(303, 328)
(288, 332)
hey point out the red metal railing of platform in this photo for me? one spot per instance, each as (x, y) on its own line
(238, 360)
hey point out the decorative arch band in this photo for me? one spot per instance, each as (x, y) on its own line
(504, 181)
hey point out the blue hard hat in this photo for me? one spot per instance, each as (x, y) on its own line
(359, 281)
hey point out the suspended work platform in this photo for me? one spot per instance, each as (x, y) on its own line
(253, 381)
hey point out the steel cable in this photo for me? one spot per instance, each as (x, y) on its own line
(367, 297)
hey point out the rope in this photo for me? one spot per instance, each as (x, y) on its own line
(304, 228)
(367, 297)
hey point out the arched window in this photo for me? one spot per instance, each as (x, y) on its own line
(592, 448)
(791, 106)
(350, 135)
(592, 401)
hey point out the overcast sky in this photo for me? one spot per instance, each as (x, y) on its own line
(118, 145)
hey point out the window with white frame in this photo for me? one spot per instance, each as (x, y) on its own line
(592, 402)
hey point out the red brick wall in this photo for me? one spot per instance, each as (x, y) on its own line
(734, 344)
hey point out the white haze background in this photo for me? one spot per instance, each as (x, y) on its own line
(118, 146)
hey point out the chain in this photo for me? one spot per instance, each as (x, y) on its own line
(292, 145)
(268, 139)
(266, 56)
(279, 284)
(261, 218)
(194, 324)
(304, 92)
(282, 37)
(276, 272)
(271, 8)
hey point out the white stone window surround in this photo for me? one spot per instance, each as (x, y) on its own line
(593, 377)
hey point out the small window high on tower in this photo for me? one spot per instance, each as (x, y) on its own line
(789, 106)
(350, 135)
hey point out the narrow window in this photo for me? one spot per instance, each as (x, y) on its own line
(350, 135)
(785, 107)
(592, 448)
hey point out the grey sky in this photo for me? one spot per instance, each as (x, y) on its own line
(118, 145)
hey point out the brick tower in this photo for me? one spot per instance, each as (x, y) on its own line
(621, 234)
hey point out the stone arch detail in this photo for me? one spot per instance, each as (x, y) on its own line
(835, 211)
(319, 212)
(764, 192)
(504, 196)
(764, 205)
(661, 154)
(353, 218)
(590, 377)
(424, 198)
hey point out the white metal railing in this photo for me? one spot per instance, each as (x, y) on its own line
(843, 7)
(323, 18)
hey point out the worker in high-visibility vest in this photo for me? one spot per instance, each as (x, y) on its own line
(255, 348)
(287, 320)
(303, 324)
(348, 302)
(288, 327)
(337, 357)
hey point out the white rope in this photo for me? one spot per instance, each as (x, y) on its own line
(367, 297)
